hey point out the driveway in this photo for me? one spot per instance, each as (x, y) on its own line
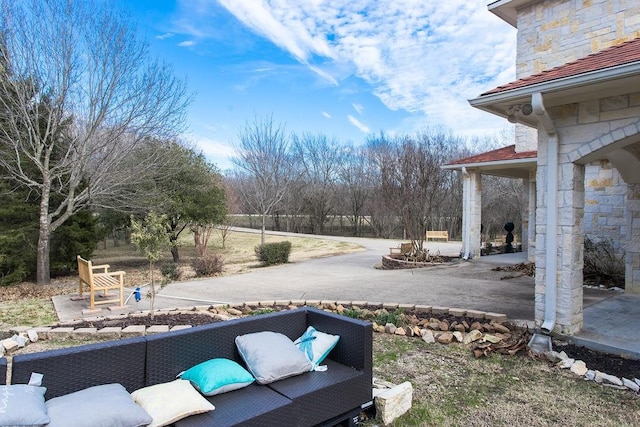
(352, 277)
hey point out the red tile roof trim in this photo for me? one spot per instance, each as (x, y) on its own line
(501, 154)
(613, 56)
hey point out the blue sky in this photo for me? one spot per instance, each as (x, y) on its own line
(344, 68)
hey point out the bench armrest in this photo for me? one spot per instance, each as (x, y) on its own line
(104, 267)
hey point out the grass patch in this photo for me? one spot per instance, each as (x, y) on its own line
(453, 388)
(28, 312)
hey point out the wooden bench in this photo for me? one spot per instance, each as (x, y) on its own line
(101, 281)
(403, 249)
(435, 234)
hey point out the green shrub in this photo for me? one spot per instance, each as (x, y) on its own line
(396, 317)
(273, 253)
(170, 270)
(208, 265)
(354, 313)
(265, 310)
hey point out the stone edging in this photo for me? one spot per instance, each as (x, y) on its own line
(66, 330)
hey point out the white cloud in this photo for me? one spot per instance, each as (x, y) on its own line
(357, 123)
(424, 57)
(164, 36)
(358, 107)
(327, 115)
(187, 43)
(216, 151)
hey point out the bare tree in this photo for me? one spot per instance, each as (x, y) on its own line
(263, 163)
(78, 94)
(318, 158)
(356, 179)
(413, 181)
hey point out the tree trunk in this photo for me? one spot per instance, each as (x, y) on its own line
(175, 254)
(43, 274)
(262, 233)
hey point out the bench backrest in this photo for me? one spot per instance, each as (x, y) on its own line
(75, 368)
(84, 270)
(435, 234)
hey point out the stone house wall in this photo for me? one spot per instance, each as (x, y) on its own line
(554, 32)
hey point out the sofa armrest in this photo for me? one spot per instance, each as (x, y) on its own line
(355, 347)
(3, 371)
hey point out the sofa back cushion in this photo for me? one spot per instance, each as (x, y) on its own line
(75, 368)
(171, 353)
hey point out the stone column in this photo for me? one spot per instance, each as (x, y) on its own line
(632, 246)
(472, 213)
(569, 289)
(569, 236)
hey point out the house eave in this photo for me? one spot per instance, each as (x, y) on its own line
(516, 168)
(561, 90)
(507, 10)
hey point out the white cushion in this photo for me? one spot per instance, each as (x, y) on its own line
(316, 345)
(170, 402)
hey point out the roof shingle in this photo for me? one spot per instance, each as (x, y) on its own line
(501, 154)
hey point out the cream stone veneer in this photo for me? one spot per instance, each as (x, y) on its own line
(552, 32)
(591, 198)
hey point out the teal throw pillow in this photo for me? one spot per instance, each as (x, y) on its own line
(217, 376)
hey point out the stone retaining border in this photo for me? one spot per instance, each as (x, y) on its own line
(66, 330)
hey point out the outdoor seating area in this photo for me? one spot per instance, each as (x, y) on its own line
(281, 390)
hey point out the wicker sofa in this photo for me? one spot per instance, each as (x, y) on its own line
(333, 397)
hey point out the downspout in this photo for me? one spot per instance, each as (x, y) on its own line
(551, 241)
(466, 181)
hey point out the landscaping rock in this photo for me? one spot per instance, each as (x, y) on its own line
(434, 326)
(9, 344)
(458, 336)
(33, 335)
(472, 336)
(554, 356)
(234, 312)
(445, 338)
(394, 402)
(602, 378)
(476, 326)
(390, 328)
(443, 326)
(400, 331)
(492, 338)
(427, 336)
(590, 375)
(565, 363)
(579, 368)
(501, 328)
(631, 385)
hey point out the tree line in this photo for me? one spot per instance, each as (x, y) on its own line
(391, 185)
